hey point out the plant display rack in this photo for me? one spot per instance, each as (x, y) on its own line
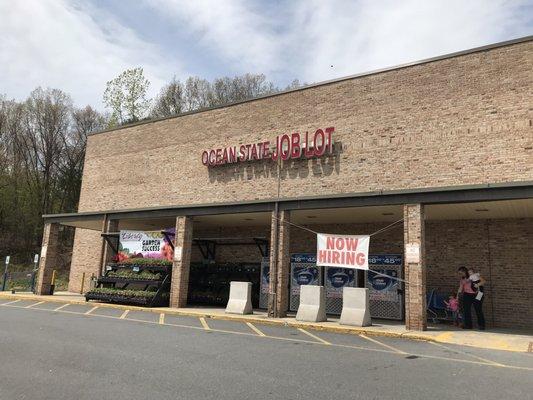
(142, 282)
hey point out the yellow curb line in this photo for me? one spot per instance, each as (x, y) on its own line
(261, 320)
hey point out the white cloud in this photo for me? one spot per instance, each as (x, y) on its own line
(72, 47)
(236, 30)
(75, 47)
(303, 39)
(366, 35)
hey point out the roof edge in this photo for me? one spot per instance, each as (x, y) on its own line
(331, 81)
(461, 188)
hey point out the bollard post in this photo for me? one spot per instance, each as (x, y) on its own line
(82, 282)
(53, 284)
(5, 274)
(34, 272)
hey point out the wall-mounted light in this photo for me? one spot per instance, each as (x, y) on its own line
(387, 213)
(482, 209)
(311, 216)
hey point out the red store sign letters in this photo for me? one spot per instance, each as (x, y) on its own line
(286, 146)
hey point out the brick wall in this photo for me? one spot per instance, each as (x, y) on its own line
(502, 250)
(457, 121)
(85, 258)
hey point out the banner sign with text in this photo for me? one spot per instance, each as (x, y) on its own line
(143, 244)
(348, 251)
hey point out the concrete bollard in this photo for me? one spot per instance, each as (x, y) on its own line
(240, 298)
(355, 307)
(312, 306)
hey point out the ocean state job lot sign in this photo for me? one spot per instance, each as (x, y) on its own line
(348, 251)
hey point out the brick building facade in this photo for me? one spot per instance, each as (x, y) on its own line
(446, 144)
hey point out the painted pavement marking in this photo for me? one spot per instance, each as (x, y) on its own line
(382, 344)
(467, 354)
(34, 304)
(162, 319)
(91, 310)
(314, 336)
(255, 329)
(11, 302)
(60, 307)
(204, 324)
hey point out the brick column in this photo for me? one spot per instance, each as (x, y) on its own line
(179, 286)
(415, 267)
(108, 252)
(48, 260)
(280, 232)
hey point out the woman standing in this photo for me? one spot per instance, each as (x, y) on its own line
(467, 291)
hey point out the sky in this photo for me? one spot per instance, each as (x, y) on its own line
(78, 46)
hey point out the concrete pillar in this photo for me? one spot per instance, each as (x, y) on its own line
(179, 286)
(48, 259)
(415, 267)
(278, 304)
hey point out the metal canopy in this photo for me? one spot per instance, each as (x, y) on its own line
(450, 195)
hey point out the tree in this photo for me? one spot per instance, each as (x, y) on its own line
(126, 96)
(170, 101)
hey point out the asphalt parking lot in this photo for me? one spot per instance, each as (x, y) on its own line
(64, 351)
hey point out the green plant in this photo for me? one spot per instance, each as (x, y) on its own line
(129, 274)
(123, 292)
(146, 261)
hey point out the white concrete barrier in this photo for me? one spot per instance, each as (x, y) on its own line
(355, 307)
(240, 298)
(312, 306)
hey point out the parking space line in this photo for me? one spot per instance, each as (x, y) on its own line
(91, 310)
(255, 329)
(382, 344)
(161, 319)
(314, 336)
(11, 302)
(387, 348)
(60, 307)
(204, 324)
(34, 304)
(467, 354)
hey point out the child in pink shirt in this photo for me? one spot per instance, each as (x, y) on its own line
(453, 305)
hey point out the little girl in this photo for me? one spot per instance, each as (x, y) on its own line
(453, 305)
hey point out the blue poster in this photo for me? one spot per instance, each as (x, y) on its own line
(337, 278)
(381, 287)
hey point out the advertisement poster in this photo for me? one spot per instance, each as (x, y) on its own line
(347, 251)
(144, 244)
(304, 272)
(380, 287)
(265, 278)
(337, 279)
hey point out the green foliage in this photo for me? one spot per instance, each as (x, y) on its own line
(129, 274)
(126, 96)
(147, 294)
(146, 261)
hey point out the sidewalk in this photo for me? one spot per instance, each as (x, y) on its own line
(496, 339)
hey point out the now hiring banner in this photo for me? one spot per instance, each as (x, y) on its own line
(347, 251)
